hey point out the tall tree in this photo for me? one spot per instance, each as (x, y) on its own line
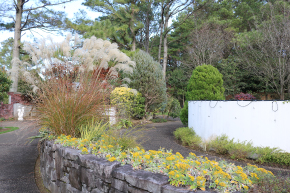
(169, 9)
(121, 12)
(266, 50)
(28, 16)
(6, 53)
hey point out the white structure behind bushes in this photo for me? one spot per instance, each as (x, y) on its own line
(264, 123)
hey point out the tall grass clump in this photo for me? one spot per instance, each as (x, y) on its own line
(67, 102)
(77, 81)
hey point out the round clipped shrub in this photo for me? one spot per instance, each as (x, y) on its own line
(129, 102)
(205, 83)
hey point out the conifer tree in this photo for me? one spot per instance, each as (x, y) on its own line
(122, 13)
(147, 78)
(206, 83)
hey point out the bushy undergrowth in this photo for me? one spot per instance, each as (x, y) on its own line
(173, 107)
(240, 150)
(192, 172)
(188, 137)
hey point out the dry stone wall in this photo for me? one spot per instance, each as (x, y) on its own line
(65, 169)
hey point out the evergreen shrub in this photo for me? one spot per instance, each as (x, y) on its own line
(148, 79)
(5, 83)
(206, 83)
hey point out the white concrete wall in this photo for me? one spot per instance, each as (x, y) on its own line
(265, 123)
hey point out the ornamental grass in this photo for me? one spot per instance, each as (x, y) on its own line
(69, 100)
(193, 172)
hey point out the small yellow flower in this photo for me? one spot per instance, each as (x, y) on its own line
(147, 156)
(123, 154)
(191, 177)
(171, 173)
(136, 154)
(222, 184)
(85, 150)
(112, 159)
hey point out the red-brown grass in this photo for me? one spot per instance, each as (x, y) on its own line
(65, 105)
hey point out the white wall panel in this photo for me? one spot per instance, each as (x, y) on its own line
(265, 123)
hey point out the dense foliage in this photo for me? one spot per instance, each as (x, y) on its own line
(148, 80)
(5, 83)
(206, 83)
(128, 102)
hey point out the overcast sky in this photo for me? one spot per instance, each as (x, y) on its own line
(69, 8)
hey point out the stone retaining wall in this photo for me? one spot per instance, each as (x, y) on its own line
(65, 169)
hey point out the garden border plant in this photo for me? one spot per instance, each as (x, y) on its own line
(192, 172)
(237, 150)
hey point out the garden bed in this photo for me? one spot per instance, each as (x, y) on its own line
(66, 170)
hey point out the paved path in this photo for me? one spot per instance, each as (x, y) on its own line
(17, 158)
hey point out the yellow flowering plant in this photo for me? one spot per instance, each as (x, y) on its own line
(129, 102)
(193, 172)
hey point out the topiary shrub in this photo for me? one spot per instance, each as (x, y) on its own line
(205, 83)
(129, 102)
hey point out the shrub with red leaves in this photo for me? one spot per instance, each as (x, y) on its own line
(243, 96)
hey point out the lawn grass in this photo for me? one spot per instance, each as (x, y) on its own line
(9, 129)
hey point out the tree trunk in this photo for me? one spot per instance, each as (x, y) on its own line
(161, 30)
(282, 91)
(16, 46)
(134, 43)
(147, 28)
(165, 46)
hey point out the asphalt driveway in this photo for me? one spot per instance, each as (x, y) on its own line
(17, 158)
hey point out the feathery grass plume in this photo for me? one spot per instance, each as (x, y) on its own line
(89, 55)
